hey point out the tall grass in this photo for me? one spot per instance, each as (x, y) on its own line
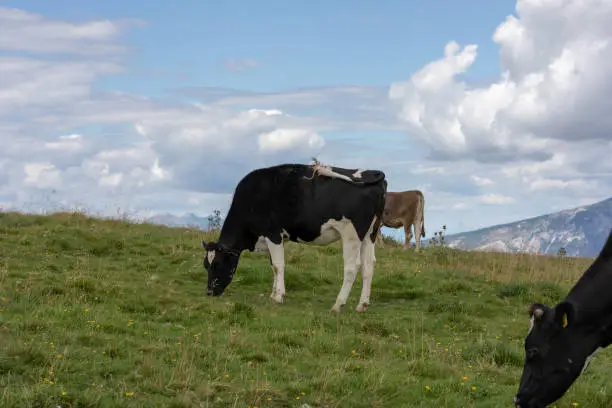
(106, 313)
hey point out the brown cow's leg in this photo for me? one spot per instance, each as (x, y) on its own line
(419, 219)
(417, 235)
(408, 233)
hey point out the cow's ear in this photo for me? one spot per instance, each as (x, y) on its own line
(204, 245)
(537, 311)
(564, 314)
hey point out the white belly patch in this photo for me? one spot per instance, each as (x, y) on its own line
(329, 232)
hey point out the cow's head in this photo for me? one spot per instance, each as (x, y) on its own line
(556, 349)
(220, 262)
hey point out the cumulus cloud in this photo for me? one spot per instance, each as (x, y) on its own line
(495, 199)
(554, 85)
(81, 143)
(534, 140)
(209, 149)
(31, 83)
(481, 181)
(422, 169)
(41, 174)
(284, 139)
(540, 133)
(25, 31)
(345, 107)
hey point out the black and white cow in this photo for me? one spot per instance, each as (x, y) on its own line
(309, 204)
(563, 339)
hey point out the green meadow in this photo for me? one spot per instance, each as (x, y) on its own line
(107, 313)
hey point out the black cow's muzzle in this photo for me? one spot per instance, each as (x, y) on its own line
(211, 292)
(517, 402)
(526, 403)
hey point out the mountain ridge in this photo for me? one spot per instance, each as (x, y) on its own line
(581, 231)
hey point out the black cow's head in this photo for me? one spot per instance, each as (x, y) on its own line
(220, 262)
(556, 350)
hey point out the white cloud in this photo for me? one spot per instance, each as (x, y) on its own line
(50, 108)
(71, 142)
(550, 184)
(25, 31)
(481, 181)
(421, 169)
(63, 136)
(43, 84)
(41, 175)
(542, 130)
(110, 180)
(351, 107)
(555, 85)
(495, 199)
(283, 139)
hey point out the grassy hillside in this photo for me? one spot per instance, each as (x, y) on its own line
(111, 314)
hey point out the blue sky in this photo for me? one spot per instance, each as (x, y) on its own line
(139, 104)
(309, 44)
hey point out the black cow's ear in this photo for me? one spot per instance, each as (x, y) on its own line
(204, 244)
(564, 314)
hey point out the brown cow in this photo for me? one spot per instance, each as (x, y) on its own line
(405, 208)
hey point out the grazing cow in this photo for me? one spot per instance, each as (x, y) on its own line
(563, 339)
(405, 208)
(309, 204)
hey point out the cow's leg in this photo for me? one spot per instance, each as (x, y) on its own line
(417, 234)
(408, 234)
(351, 248)
(277, 259)
(367, 272)
(379, 239)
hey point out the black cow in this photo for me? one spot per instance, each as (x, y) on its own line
(563, 339)
(311, 204)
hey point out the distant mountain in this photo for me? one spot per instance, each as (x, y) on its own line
(186, 220)
(581, 231)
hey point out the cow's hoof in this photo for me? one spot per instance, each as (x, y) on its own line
(337, 308)
(277, 297)
(362, 307)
